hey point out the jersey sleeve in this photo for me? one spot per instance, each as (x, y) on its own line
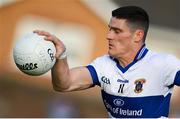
(172, 71)
(94, 75)
(98, 68)
(95, 71)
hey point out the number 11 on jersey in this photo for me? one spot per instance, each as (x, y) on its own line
(121, 87)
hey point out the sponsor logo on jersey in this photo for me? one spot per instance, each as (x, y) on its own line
(118, 102)
(120, 111)
(105, 80)
(139, 85)
(123, 81)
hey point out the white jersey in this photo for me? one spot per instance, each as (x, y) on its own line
(142, 89)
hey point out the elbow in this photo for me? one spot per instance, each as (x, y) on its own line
(60, 89)
(61, 84)
(55, 88)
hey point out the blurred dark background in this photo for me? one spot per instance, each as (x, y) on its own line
(161, 12)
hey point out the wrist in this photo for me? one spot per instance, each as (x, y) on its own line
(63, 55)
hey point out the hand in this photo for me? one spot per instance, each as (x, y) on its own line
(60, 47)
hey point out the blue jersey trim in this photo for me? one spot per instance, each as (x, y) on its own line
(177, 79)
(141, 53)
(137, 107)
(93, 74)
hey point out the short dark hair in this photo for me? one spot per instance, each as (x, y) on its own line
(135, 16)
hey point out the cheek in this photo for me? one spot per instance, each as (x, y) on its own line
(123, 42)
(126, 37)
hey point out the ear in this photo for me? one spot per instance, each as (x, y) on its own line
(138, 35)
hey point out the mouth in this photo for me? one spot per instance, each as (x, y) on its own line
(110, 46)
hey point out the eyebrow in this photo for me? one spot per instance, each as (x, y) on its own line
(114, 28)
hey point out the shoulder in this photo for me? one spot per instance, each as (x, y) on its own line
(103, 59)
(161, 58)
(156, 56)
(104, 62)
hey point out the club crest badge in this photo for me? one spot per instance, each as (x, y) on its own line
(139, 85)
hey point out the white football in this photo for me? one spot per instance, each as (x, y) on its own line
(33, 55)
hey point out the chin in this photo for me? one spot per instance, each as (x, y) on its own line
(111, 54)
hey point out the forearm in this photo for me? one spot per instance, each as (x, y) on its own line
(61, 75)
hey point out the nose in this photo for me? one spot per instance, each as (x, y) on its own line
(109, 35)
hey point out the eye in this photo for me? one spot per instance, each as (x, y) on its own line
(116, 31)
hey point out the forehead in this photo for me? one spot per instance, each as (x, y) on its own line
(118, 23)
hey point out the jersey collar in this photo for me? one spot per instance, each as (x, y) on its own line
(141, 53)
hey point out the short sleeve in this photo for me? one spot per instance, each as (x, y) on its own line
(95, 70)
(177, 79)
(172, 71)
(98, 68)
(93, 73)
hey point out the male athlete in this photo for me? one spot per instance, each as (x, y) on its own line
(135, 82)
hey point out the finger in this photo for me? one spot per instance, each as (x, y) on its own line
(48, 38)
(60, 47)
(59, 51)
(53, 39)
(42, 33)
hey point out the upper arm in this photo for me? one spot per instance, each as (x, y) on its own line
(80, 79)
(86, 77)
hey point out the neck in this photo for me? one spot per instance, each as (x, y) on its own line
(128, 57)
